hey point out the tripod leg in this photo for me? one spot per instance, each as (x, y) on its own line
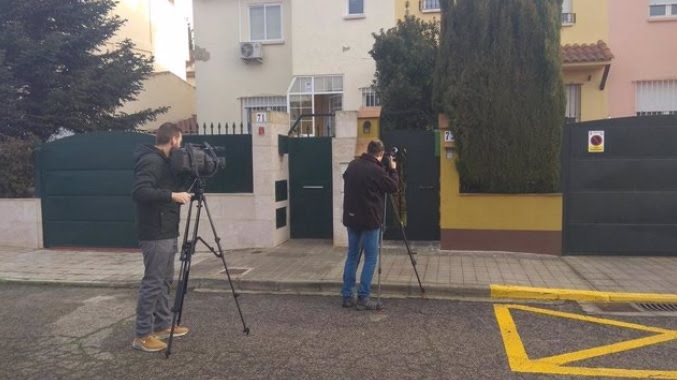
(406, 242)
(187, 251)
(225, 266)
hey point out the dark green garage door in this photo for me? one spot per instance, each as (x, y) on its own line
(85, 183)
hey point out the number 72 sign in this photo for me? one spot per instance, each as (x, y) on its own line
(448, 136)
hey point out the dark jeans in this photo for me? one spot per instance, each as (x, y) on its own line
(152, 311)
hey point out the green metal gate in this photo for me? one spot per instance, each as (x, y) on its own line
(310, 182)
(85, 182)
(418, 200)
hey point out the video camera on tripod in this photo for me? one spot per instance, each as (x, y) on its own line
(197, 160)
(389, 156)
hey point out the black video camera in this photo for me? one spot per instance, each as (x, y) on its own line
(198, 161)
(388, 156)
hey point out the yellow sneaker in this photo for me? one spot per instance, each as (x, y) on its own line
(178, 331)
(148, 344)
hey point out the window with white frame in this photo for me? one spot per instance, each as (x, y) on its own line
(568, 15)
(265, 22)
(369, 97)
(656, 97)
(308, 95)
(573, 96)
(355, 7)
(663, 8)
(430, 5)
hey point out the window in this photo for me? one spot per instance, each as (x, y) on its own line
(573, 110)
(656, 98)
(663, 8)
(265, 22)
(430, 5)
(355, 7)
(262, 103)
(321, 94)
(568, 15)
(369, 97)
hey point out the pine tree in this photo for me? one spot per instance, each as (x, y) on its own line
(499, 79)
(405, 62)
(57, 73)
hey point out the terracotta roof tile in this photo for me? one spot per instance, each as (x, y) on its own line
(586, 53)
(370, 112)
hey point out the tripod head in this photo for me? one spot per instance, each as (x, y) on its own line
(198, 187)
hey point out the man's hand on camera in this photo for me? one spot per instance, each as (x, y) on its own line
(393, 165)
(181, 198)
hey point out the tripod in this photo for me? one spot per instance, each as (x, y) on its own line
(382, 230)
(187, 251)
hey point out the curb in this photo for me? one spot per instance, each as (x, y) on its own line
(553, 294)
(311, 287)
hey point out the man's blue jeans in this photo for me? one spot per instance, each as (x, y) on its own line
(369, 240)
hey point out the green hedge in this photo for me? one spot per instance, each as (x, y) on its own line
(17, 170)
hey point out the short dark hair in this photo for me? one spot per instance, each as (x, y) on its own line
(165, 133)
(375, 147)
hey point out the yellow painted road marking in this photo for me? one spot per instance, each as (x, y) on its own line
(549, 294)
(519, 361)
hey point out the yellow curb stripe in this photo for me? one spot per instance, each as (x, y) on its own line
(553, 294)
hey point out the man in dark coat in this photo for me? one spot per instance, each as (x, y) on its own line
(366, 183)
(158, 200)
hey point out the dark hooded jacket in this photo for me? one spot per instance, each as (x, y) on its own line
(157, 217)
(365, 185)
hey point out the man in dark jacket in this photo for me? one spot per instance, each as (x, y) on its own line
(365, 184)
(157, 197)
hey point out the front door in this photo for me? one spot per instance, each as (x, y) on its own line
(418, 201)
(310, 181)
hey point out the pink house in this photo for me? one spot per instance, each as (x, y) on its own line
(643, 38)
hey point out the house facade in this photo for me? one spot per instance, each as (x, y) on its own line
(298, 56)
(587, 59)
(159, 28)
(643, 80)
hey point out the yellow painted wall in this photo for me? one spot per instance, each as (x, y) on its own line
(594, 102)
(374, 132)
(521, 212)
(592, 22)
(592, 25)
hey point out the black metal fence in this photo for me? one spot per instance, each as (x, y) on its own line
(217, 129)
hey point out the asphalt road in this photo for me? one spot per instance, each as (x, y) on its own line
(55, 332)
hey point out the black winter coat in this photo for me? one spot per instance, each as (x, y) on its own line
(365, 185)
(157, 217)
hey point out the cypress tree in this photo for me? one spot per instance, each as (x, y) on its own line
(498, 78)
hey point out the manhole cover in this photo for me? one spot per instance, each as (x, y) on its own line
(236, 272)
(660, 307)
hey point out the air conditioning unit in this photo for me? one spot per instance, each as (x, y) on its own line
(251, 51)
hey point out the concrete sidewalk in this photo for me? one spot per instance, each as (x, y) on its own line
(312, 267)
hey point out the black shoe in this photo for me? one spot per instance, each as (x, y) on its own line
(348, 302)
(366, 304)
